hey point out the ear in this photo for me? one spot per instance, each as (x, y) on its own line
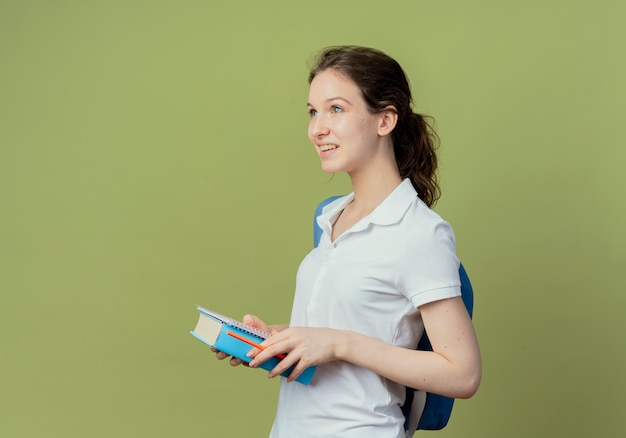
(387, 121)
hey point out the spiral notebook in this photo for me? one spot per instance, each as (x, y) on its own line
(237, 339)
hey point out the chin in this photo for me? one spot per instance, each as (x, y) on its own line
(330, 167)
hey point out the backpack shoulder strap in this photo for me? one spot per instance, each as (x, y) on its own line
(317, 231)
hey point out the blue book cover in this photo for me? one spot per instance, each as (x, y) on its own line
(213, 329)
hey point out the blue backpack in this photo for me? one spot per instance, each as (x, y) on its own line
(422, 410)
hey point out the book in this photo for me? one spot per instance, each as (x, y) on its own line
(237, 339)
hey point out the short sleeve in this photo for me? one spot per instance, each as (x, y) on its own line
(429, 270)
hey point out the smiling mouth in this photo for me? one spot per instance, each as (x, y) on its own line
(328, 147)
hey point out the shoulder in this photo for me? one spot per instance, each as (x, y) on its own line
(420, 217)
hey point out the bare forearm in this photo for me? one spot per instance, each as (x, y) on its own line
(429, 371)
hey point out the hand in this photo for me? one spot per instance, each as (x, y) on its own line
(252, 321)
(234, 361)
(305, 347)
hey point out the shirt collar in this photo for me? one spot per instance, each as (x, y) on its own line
(395, 205)
(387, 212)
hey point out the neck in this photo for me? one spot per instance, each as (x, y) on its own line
(371, 188)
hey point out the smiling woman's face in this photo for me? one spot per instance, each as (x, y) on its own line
(342, 128)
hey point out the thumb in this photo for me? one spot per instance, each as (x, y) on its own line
(256, 322)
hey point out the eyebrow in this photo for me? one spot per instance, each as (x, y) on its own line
(331, 99)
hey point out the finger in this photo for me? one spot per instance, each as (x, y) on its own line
(221, 355)
(259, 356)
(262, 354)
(283, 366)
(274, 346)
(253, 352)
(256, 322)
(234, 361)
(287, 362)
(249, 320)
(297, 370)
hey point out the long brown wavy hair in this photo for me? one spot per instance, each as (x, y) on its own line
(383, 83)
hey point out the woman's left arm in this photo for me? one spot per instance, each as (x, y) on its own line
(452, 369)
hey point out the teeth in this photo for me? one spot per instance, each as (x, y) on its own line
(328, 147)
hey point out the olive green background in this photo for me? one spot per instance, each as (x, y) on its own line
(153, 156)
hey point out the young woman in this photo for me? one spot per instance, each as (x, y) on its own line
(384, 270)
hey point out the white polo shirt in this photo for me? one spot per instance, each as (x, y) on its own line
(371, 280)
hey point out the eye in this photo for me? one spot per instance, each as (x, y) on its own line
(336, 109)
(312, 112)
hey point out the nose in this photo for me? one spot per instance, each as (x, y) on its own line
(318, 127)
